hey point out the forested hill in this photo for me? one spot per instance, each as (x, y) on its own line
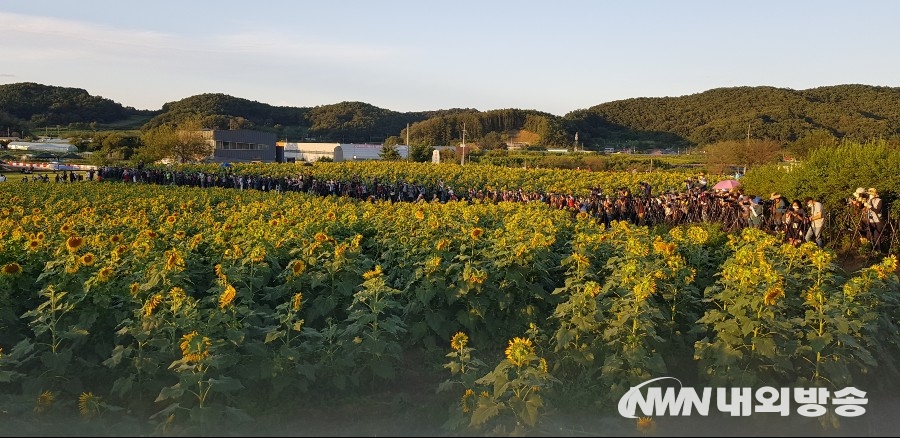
(34, 105)
(854, 111)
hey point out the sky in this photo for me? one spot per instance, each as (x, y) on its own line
(553, 56)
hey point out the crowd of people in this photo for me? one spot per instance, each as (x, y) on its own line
(797, 221)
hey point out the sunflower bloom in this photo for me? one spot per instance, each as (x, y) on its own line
(134, 289)
(320, 237)
(373, 273)
(33, 245)
(519, 351)
(476, 233)
(171, 220)
(177, 295)
(645, 425)
(87, 259)
(74, 243)
(88, 404)
(151, 304)
(44, 402)
(772, 295)
(465, 401)
(442, 244)
(227, 296)
(258, 254)
(40, 236)
(12, 268)
(115, 239)
(298, 267)
(194, 348)
(459, 341)
(420, 214)
(297, 301)
(174, 261)
(581, 260)
(432, 264)
(105, 273)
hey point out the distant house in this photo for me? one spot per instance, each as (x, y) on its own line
(241, 145)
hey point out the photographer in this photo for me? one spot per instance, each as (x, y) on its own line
(794, 222)
(756, 217)
(816, 221)
(779, 206)
(876, 216)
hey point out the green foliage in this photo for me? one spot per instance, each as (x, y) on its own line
(831, 175)
(43, 105)
(389, 153)
(221, 111)
(507, 400)
(782, 316)
(847, 111)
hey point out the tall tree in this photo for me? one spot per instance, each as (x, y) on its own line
(725, 154)
(183, 143)
(389, 153)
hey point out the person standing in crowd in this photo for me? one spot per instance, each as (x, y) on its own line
(877, 217)
(756, 216)
(816, 221)
(779, 206)
(702, 182)
(793, 223)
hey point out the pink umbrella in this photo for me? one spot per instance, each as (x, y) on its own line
(727, 184)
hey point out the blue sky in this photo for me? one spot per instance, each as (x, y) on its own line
(553, 56)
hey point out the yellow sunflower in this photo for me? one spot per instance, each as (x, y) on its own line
(87, 259)
(44, 402)
(459, 341)
(297, 301)
(88, 404)
(645, 425)
(194, 348)
(12, 268)
(74, 243)
(519, 351)
(227, 296)
(298, 267)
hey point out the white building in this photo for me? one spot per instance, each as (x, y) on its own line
(57, 145)
(336, 151)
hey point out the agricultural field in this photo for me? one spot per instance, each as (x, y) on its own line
(139, 309)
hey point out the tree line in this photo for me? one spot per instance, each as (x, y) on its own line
(799, 119)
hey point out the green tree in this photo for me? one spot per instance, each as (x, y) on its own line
(492, 140)
(812, 141)
(392, 141)
(721, 155)
(389, 153)
(182, 143)
(420, 153)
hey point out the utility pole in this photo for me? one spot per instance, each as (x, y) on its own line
(463, 160)
(407, 143)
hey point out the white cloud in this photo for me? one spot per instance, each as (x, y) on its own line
(35, 38)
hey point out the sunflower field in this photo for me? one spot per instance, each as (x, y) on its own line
(176, 310)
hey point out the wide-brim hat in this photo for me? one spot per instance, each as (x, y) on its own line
(858, 191)
(872, 191)
(774, 196)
